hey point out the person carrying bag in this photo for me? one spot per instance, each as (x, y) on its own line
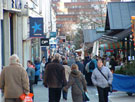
(77, 89)
(102, 78)
(110, 85)
(84, 93)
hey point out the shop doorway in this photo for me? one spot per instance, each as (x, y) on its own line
(11, 34)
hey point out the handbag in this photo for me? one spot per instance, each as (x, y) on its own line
(84, 94)
(110, 85)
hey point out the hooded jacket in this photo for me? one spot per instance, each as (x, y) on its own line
(76, 76)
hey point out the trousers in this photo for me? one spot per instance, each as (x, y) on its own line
(54, 94)
(103, 94)
(12, 100)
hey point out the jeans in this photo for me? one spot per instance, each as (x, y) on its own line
(103, 94)
(64, 95)
(54, 94)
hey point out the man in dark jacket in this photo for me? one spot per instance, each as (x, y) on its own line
(54, 79)
(80, 65)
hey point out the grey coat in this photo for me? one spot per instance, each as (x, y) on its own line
(31, 73)
(99, 80)
(76, 91)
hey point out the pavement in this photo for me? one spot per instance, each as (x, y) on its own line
(41, 95)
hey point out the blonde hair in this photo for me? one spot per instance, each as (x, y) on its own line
(14, 59)
(74, 66)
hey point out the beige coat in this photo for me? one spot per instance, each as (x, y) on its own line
(67, 71)
(14, 81)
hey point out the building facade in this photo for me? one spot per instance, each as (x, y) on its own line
(90, 13)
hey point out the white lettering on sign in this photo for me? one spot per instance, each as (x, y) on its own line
(44, 42)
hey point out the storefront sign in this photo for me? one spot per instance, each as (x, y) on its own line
(16, 4)
(44, 42)
(36, 27)
(52, 45)
(52, 34)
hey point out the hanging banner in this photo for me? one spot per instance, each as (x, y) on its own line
(36, 27)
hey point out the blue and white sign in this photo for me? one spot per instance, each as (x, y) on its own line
(36, 27)
(52, 45)
(52, 34)
(53, 41)
(16, 4)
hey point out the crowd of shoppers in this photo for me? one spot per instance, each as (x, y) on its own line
(58, 74)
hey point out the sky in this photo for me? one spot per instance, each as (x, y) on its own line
(66, 0)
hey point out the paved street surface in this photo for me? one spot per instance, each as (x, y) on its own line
(41, 95)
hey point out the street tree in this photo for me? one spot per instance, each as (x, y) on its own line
(89, 20)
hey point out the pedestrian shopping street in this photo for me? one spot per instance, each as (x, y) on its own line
(41, 95)
(87, 45)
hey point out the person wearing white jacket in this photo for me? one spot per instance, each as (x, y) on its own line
(42, 67)
(100, 82)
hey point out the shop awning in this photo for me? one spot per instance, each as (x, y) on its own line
(108, 46)
(123, 34)
(119, 15)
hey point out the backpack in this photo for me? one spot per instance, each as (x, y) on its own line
(90, 66)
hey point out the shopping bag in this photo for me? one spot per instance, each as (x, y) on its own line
(26, 98)
(86, 96)
(110, 88)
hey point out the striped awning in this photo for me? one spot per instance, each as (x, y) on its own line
(108, 46)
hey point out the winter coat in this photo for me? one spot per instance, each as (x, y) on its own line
(80, 66)
(76, 91)
(71, 61)
(31, 73)
(14, 81)
(99, 80)
(54, 76)
(67, 71)
(37, 69)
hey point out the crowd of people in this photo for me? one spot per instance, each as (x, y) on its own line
(58, 74)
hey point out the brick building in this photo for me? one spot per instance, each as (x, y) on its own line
(91, 12)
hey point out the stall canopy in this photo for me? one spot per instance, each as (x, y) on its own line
(118, 19)
(119, 15)
(108, 46)
(90, 35)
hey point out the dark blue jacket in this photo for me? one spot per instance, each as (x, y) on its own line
(80, 66)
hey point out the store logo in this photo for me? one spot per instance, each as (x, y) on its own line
(36, 27)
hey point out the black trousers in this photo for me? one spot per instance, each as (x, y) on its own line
(36, 79)
(88, 78)
(103, 94)
(54, 94)
(31, 86)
